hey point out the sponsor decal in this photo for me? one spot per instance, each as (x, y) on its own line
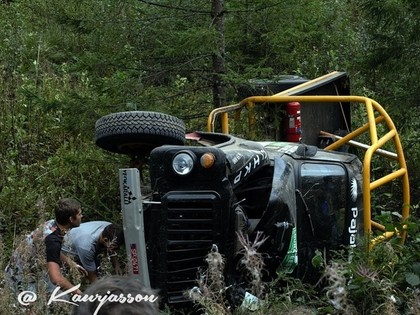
(290, 261)
(353, 227)
(253, 164)
(128, 196)
(353, 189)
(134, 259)
(354, 213)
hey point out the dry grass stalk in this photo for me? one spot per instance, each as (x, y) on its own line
(336, 289)
(210, 292)
(252, 262)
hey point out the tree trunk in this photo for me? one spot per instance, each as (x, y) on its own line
(219, 98)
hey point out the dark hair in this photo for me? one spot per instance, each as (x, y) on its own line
(119, 286)
(66, 208)
(114, 234)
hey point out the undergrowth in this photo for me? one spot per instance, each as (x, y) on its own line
(13, 302)
(385, 280)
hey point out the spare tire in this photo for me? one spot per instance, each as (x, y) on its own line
(138, 132)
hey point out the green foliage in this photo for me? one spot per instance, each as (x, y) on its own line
(382, 281)
(389, 65)
(412, 279)
(283, 37)
(64, 64)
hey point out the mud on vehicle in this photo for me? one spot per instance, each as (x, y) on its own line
(302, 196)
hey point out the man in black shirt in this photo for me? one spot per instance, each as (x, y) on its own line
(23, 267)
(68, 214)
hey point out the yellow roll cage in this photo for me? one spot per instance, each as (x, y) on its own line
(376, 115)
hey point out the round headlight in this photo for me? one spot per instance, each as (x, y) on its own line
(183, 163)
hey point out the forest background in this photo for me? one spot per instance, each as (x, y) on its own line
(64, 64)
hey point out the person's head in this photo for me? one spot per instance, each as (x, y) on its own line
(123, 287)
(68, 212)
(112, 237)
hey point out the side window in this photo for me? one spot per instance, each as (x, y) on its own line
(324, 187)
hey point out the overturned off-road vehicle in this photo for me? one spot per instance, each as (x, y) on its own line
(303, 196)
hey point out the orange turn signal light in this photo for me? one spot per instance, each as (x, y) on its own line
(207, 160)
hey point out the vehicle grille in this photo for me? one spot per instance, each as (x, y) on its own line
(190, 226)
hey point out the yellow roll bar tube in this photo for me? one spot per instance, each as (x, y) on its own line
(372, 108)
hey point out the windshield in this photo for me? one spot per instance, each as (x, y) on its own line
(324, 189)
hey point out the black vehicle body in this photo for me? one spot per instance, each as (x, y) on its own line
(288, 191)
(303, 197)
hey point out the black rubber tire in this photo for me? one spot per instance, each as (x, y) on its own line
(138, 132)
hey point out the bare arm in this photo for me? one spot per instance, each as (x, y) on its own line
(54, 272)
(67, 260)
(72, 264)
(91, 275)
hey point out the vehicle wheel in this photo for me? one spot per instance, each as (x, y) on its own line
(138, 132)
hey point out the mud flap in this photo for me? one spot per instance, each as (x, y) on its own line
(133, 222)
